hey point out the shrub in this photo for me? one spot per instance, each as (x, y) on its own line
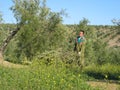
(107, 71)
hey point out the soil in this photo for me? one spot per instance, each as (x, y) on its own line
(104, 85)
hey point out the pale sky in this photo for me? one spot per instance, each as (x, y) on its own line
(98, 12)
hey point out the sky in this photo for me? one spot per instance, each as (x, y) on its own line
(98, 12)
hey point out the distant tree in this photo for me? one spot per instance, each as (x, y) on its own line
(0, 33)
(117, 22)
(1, 19)
(83, 25)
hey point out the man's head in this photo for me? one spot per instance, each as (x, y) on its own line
(81, 33)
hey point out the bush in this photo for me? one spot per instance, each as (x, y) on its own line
(107, 71)
(114, 56)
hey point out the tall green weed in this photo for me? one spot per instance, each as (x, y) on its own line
(40, 76)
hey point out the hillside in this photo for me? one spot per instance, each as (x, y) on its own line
(109, 34)
(115, 41)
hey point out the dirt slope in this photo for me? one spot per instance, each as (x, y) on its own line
(10, 65)
(115, 41)
(104, 85)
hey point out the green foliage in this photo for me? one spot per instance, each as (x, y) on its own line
(114, 56)
(5, 29)
(25, 10)
(100, 51)
(107, 71)
(97, 50)
(41, 77)
(42, 30)
(1, 17)
(90, 35)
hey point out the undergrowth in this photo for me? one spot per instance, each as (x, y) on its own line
(107, 71)
(40, 76)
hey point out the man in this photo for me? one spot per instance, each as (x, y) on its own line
(80, 41)
(80, 47)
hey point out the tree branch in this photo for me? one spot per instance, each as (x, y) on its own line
(9, 38)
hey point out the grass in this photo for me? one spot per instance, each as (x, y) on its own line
(55, 76)
(107, 71)
(40, 76)
(105, 77)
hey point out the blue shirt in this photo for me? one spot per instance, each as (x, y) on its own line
(80, 39)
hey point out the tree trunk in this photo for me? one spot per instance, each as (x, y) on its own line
(1, 56)
(8, 39)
